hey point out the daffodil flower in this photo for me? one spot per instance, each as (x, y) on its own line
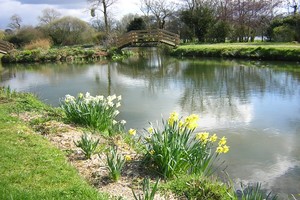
(132, 131)
(222, 141)
(213, 138)
(127, 157)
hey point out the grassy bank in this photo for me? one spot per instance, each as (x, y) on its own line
(260, 51)
(63, 54)
(30, 167)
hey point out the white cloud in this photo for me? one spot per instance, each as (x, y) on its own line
(29, 10)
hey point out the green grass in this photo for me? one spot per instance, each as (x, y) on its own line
(256, 50)
(30, 167)
(197, 187)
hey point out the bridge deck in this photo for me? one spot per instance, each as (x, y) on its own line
(148, 37)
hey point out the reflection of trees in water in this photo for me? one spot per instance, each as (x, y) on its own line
(53, 71)
(152, 67)
(223, 90)
(218, 87)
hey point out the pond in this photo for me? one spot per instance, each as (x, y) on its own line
(256, 105)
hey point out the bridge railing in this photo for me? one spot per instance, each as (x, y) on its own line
(5, 46)
(146, 36)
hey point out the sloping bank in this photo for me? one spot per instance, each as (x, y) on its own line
(30, 167)
(259, 51)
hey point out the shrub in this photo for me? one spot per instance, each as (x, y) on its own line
(176, 149)
(98, 113)
(88, 145)
(40, 43)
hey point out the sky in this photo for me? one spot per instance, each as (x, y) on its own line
(29, 10)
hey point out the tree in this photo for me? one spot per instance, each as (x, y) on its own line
(121, 25)
(136, 24)
(49, 15)
(15, 23)
(103, 6)
(70, 31)
(160, 9)
(285, 29)
(26, 35)
(198, 21)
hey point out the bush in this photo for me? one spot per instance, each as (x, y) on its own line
(176, 149)
(98, 113)
(38, 44)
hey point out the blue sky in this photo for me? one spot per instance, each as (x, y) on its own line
(29, 10)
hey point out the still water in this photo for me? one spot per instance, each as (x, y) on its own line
(256, 105)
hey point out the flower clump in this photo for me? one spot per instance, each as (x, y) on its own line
(176, 149)
(97, 112)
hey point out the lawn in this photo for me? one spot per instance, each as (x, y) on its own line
(30, 167)
(256, 50)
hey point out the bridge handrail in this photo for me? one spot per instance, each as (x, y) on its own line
(154, 35)
(5, 46)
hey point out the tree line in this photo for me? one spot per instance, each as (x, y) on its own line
(197, 21)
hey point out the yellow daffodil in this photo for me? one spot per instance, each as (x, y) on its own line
(127, 157)
(225, 149)
(202, 136)
(80, 95)
(219, 149)
(132, 131)
(222, 141)
(191, 121)
(152, 152)
(213, 138)
(150, 130)
(173, 117)
(180, 124)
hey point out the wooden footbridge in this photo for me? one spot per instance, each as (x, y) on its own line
(154, 37)
(5, 47)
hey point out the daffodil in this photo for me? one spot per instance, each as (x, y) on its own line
(132, 131)
(150, 130)
(80, 95)
(180, 124)
(173, 117)
(152, 152)
(219, 149)
(191, 121)
(222, 141)
(127, 157)
(225, 149)
(202, 136)
(213, 138)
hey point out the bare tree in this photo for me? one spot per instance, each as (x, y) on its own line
(160, 9)
(48, 16)
(15, 23)
(103, 6)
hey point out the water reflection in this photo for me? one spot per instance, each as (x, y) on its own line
(255, 104)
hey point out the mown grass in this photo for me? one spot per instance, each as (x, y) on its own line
(261, 51)
(197, 187)
(30, 167)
